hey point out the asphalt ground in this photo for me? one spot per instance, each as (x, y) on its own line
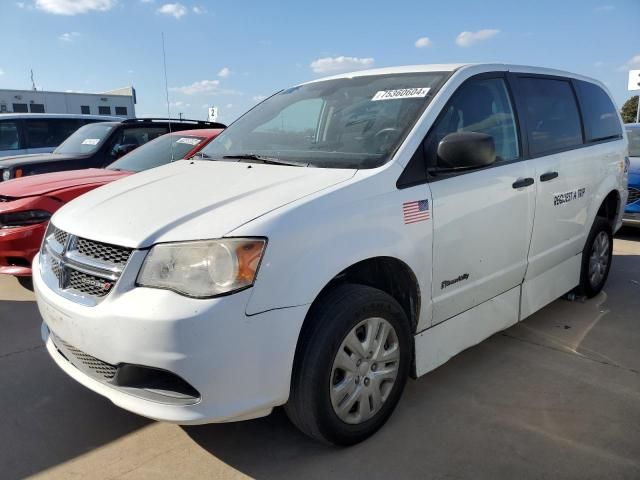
(556, 396)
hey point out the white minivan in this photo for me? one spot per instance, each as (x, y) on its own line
(341, 236)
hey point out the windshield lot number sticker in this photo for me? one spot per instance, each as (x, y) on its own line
(188, 141)
(400, 93)
(566, 197)
(90, 141)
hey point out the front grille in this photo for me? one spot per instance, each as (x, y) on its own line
(96, 367)
(634, 196)
(103, 251)
(55, 268)
(81, 269)
(60, 236)
(89, 284)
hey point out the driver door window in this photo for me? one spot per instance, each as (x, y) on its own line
(481, 106)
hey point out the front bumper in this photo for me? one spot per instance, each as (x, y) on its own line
(18, 247)
(240, 365)
(631, 215)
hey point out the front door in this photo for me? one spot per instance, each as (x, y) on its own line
(482, 219)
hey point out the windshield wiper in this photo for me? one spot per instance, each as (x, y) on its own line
(252, 157)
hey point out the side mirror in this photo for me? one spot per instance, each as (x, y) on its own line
(466, 150)
(122, 150)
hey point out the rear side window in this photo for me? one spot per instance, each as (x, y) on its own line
(49, 132)
(553, 121)
(598, 112)
(9, 138)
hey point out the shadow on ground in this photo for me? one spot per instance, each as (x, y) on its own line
(556, 396)
(46, 418)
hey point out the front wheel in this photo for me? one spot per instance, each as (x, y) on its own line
(596, 258)
(351, 366)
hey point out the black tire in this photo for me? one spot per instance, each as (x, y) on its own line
(26, 282)
(588, 288)
(334, 316)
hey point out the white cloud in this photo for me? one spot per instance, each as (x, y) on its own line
(258, 98)
(199, 10)
(74, 7)
(604, 8)
(1, 72)
(179, 104)
(598, 64)
(224, 73)
(229, 105)
(423, 42)
(467, 39)
(69, 36)
(632, 64)
(20, 4)
(340, 64)
(147, 1)
(204, 86)
(175, 9)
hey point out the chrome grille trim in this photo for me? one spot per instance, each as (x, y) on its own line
(83, 270)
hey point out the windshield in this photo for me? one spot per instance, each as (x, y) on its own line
(343, 123)
(633, 134)
(86, 139)
(157, 152)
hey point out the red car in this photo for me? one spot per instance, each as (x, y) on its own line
(27, 203)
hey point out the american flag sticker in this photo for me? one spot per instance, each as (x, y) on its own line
(416, 211)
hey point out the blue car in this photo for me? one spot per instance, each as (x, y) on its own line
(632, 211)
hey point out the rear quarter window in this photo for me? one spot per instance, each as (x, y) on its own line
(598, 112)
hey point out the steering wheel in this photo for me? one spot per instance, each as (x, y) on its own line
(382, 136)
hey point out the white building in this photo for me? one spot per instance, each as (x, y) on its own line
(120, 102)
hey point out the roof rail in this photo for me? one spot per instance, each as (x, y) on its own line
(175, 120)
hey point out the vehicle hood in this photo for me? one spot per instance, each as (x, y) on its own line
(20, 160)
(49, 183)
(189, 200)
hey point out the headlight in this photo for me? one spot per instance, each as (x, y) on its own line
(21, 219)
(204, 268)
(6, 174)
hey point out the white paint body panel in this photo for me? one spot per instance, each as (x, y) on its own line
(441, 342)
(318, 223)
(495, 258)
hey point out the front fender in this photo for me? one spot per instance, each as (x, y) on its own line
(313, 240)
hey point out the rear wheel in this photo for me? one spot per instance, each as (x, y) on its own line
(596, 258)
(351, 367)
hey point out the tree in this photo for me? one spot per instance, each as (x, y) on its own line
(629, 109)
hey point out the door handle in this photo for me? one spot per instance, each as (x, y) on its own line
(523, 182)
(545, 177)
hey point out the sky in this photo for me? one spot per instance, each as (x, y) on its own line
(232, 54)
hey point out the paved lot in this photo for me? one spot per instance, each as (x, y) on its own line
(557, 396)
